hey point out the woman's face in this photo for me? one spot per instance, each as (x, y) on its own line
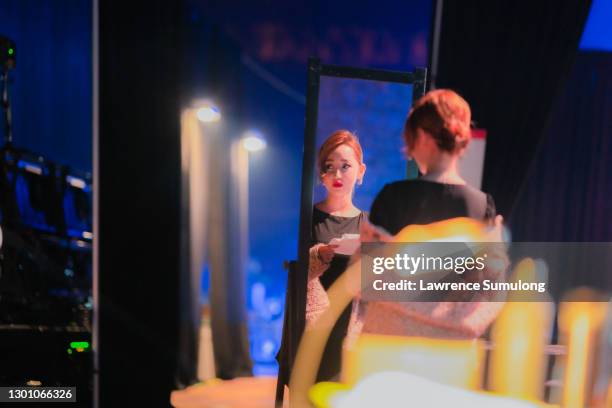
(342, 170)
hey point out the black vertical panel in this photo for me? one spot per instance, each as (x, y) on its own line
(139, 198)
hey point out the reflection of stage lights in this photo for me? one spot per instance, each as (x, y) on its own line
(76, 182)
(253, 141)
(209, 113)
(268, 348)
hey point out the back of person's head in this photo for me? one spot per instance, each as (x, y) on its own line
(336, 139)
(445, 116)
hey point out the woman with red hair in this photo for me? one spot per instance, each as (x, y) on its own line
(436, 133)
(341, 167)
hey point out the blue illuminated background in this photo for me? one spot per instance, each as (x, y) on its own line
(51, 86)
(597, 33)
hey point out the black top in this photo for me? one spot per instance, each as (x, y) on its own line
(325, 227)
(410, 202)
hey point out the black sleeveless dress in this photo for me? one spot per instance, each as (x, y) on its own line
(325, 227)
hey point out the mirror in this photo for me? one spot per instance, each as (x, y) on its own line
(373, 105)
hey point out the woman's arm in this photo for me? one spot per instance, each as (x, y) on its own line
(316, 297)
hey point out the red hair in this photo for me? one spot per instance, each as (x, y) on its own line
(444, 115)
(336, 139)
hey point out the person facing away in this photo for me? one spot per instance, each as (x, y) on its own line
(436, 133)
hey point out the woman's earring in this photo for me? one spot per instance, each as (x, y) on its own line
(359, 182)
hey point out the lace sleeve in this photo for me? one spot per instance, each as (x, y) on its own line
(316, 297)
(316, 266)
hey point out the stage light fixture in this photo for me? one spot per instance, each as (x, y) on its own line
(253, 141)
(208, 113)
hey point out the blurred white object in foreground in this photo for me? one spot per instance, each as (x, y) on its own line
(397, 389)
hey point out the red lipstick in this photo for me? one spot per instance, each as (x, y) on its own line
(337, 183)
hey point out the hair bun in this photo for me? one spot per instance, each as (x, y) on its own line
(445, 116)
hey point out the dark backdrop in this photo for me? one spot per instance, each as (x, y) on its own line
(566, 196)
(139, 201)
(509, 59)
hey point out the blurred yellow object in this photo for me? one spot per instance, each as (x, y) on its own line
(466, 229)
(453, 362)
(347, 286)
(518, 362)
(602, 386)
(322, 394)
(580, 323)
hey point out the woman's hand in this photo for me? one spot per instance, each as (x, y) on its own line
(326, 253)
(496, 229)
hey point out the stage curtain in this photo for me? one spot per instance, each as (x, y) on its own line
(211, 68)
(566, 196)
(509, 59)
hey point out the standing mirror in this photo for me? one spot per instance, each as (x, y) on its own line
(372, 105)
